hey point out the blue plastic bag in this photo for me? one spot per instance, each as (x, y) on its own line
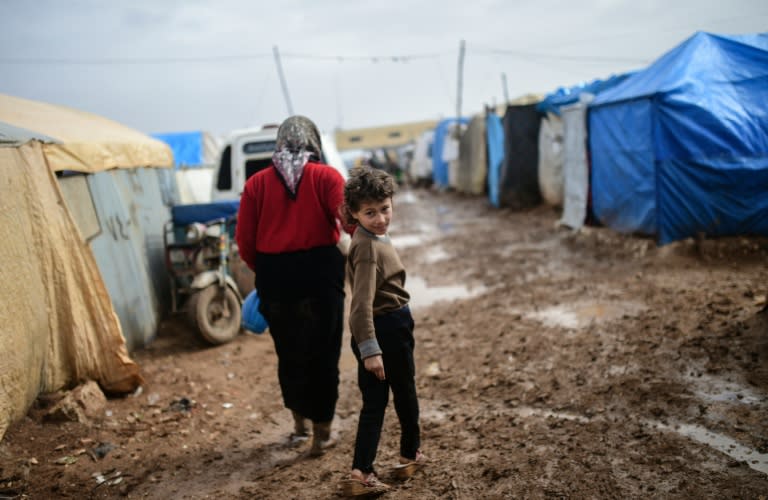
(253, 321)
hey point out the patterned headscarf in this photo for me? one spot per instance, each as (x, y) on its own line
(298, 141)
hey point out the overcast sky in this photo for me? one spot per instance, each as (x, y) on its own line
(178, 65)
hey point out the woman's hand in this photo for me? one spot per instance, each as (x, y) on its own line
(375, 365)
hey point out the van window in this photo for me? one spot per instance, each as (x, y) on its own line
(253, 166)
(251, 148)
(224, 178)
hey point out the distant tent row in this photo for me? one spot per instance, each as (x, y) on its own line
(83, 204)
(676, 149)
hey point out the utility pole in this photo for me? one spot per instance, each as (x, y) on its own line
(460, 79)
(282, 80)
(504, 88)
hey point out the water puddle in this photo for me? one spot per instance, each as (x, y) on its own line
(755, 460)
(434, 416)
(579, 315)
(526, 247)
(408, 240)
(436, 254)
(718, 390)
(406, 197)
(527, 412)
(423, 295)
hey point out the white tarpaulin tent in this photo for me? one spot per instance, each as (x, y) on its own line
(575, 167)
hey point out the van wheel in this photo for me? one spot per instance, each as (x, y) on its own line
(217, 313)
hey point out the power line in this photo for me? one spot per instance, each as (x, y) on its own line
(341, 59)
(539, 55)
(403, 58)
(129, 60)
(374, 59)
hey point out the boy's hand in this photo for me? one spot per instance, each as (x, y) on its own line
(375, 365)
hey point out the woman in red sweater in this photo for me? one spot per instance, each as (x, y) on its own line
(287, 232)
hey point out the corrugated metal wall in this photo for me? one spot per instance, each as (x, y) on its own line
(129, 207)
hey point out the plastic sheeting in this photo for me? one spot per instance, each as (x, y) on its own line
(58, 324)
(84, 142)
(555, 101)
(551, 160)
(204, 212)
(440, 165)
(191, 149)
(194, 184)
(519, 177)
(681, 147)
(472, 165)
(575, 166)
(495, 144)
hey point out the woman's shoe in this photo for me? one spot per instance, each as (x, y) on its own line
(322, 439)
(300, 432)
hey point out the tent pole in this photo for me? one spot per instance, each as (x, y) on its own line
(460, 84)
(504, 87)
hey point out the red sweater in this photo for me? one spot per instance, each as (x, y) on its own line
(270, 222)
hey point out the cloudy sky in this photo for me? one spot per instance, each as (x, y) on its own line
(176, 65)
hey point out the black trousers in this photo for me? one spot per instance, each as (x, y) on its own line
(307, 336)
(394, 333)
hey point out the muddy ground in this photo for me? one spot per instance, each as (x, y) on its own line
(555, 365)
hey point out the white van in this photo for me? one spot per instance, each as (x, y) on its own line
(248, 151)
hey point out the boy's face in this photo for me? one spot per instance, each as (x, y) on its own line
(375, 216)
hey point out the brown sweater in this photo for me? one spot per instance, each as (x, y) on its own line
(377, 280)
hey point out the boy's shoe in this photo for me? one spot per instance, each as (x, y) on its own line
(322, 438)
(354, 487)
(407, 468)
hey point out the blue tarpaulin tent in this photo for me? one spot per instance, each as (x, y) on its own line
(190, 149)
(565, 96)
(681, 147)
(439, 164)
(495, 140)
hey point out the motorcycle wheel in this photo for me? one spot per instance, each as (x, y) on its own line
(216, 313)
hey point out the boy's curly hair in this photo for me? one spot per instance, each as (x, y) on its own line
(365, 184)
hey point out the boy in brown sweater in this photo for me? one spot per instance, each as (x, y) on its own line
(382, 330)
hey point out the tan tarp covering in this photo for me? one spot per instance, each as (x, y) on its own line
(57, 324)
(473, 158)
(86, 142)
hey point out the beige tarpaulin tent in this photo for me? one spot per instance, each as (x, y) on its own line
(84, 142)
(551, 160)
(57, 323)
(473, 159)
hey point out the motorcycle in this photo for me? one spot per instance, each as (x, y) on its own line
(197, 257)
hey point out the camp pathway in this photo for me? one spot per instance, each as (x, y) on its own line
(549, 364)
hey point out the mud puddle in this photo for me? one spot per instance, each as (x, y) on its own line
(423, 295)
(579, 315)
